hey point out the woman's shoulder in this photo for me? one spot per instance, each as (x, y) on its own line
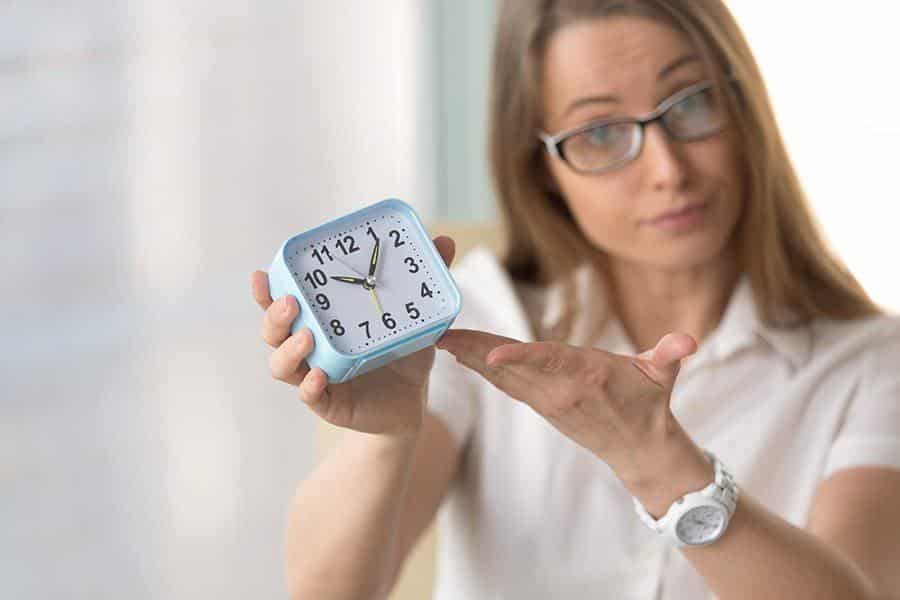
(862, 337)
(492, 300)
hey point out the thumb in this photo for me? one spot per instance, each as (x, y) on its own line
(662, 363)
(447, 248)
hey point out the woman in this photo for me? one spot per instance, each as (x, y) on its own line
(651, 204)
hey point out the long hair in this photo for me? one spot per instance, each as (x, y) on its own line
(791, 269)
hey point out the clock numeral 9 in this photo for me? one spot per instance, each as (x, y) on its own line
(396, 235)
(388, 321)
(323, 301)
(316, 278)
(413, 267)
(426, 292)
(338, 328)
(410, 309)
(350, 247)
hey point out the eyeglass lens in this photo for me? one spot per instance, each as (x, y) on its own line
(607, 145)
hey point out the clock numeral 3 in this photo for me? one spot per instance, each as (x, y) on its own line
(316, 278)
(413, 267)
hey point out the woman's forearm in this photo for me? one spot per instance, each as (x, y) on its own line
(760, 555)
(343, 518)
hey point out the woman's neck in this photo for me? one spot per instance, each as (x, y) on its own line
(651, 302)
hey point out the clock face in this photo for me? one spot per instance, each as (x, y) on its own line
(359, 312)
(700, 525)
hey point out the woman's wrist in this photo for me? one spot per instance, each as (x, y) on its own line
(669, 471)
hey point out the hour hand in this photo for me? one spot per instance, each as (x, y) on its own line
(355, 280)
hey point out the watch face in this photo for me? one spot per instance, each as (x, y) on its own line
(701, 525)
(370, 279)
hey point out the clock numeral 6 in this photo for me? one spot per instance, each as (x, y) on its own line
(323, 301)
(412, 311)
(388, 321)
(338, 328)
(413, 267)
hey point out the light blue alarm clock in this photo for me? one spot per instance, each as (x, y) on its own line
(371, 287)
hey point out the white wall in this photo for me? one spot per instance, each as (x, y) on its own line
(831, 71)
(152, 155)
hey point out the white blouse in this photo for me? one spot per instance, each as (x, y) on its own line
(532, 515)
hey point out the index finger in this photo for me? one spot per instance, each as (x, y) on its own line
(259, 284)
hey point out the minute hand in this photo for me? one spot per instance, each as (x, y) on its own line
(373, 262)
(355, 280)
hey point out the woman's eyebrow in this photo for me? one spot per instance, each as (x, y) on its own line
(672, 66)
(663, 73)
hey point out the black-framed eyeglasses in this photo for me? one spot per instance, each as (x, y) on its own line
(601, 146)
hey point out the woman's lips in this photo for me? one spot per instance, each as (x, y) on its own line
(680, 218)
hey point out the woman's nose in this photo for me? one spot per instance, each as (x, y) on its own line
(663, 158)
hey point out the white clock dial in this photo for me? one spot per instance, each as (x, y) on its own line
(701, 524)
(407, 291)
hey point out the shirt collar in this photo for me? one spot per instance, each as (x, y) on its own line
(739, 329)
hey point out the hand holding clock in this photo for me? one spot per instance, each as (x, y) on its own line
(388, 400)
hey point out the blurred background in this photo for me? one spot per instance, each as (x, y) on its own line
(153, 154)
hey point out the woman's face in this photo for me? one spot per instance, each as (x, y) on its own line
(623, 211)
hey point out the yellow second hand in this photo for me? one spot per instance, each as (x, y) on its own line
(377, 303)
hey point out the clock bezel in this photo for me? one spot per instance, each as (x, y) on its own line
(423, 240)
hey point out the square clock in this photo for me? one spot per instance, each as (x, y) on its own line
(371, 287)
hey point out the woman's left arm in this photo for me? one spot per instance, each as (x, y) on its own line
(849, 550)
(618, 407)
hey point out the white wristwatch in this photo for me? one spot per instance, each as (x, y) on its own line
(698, 518)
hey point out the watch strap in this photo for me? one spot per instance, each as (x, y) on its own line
(723, 491)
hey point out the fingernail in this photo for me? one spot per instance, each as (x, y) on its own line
(286, 306)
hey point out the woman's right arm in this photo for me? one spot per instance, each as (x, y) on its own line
(355, 518)
(353, 522)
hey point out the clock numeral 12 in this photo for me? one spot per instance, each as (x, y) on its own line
(351, 245)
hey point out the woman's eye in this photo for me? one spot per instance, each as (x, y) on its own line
(602, 136)
(692, 105)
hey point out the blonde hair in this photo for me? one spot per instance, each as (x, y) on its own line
(791, 269)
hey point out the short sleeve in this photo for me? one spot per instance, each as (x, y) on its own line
(452, 393)
(870, 434)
